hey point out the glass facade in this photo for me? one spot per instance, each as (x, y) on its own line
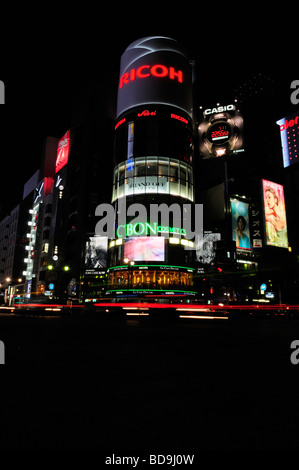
(157, 131)
(150, 279)
(153, 165)
(155, 175)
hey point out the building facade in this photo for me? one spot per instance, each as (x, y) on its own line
(152, 254)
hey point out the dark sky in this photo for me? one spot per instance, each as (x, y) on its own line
(55, 56)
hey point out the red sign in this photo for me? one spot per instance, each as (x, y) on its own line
(289, 123)
(179, 118)
(120, 122)
(145, 71)
(146, 112)
(63, 149)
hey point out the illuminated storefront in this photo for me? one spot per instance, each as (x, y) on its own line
(153, 166)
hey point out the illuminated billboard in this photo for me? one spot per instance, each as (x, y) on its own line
(240, 224)
(144, 249)
(63, 149)
(205, 252)
(154, 70)
(289, 134)
(96, 254)
(274, 214)
(220, 131)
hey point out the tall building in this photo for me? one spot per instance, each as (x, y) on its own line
(241, 170)
(153, 167)
(45, 239)
(82, 180)
(8, 238)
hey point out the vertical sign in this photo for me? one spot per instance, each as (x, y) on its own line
(256, 226)
(289, 134)
(63, 149)
(240, 224)
(274, 214)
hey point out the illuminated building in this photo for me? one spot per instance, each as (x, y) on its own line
(8, 238)
(82, 180)
(235, 175)
(153, 165)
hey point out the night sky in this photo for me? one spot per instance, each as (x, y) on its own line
(54, 58)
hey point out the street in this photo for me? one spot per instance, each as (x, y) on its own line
(80, 382)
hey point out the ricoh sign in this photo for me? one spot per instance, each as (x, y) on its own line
(154, 70)
(145, 71)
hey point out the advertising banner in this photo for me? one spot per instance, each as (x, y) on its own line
(274, 214)
(256, 225)
(154, 70)
(289, 134)
(205, 252)
(96, 254)
(144, 249)
(63, 149)
(240, 224)
(221, 131)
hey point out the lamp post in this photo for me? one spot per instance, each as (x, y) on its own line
(12, 288)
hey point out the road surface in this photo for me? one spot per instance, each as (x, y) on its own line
(74, 383)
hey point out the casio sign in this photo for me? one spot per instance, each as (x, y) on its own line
(220, 109)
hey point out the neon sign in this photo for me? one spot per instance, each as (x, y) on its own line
(140, 228)
(179, 118)
(289, 134)
(63, 149)
(145, 71)
(119, 123)
(289, 123)
(220, 109)
(220, 131)
(146, 112)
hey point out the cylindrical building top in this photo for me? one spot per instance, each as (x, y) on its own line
(154, 70)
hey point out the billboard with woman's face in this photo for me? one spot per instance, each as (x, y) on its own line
(274, 214)
(240, 224)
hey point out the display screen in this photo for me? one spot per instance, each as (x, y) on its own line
(219, 132)
(240, 224)
(205, 252)
(274, 214)
(144, 249)
(96, 254)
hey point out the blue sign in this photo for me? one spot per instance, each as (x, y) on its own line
(51, 286)
(263, 286)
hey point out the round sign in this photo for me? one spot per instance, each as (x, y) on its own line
(51, 286)
(219, 132)
(154, 70)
